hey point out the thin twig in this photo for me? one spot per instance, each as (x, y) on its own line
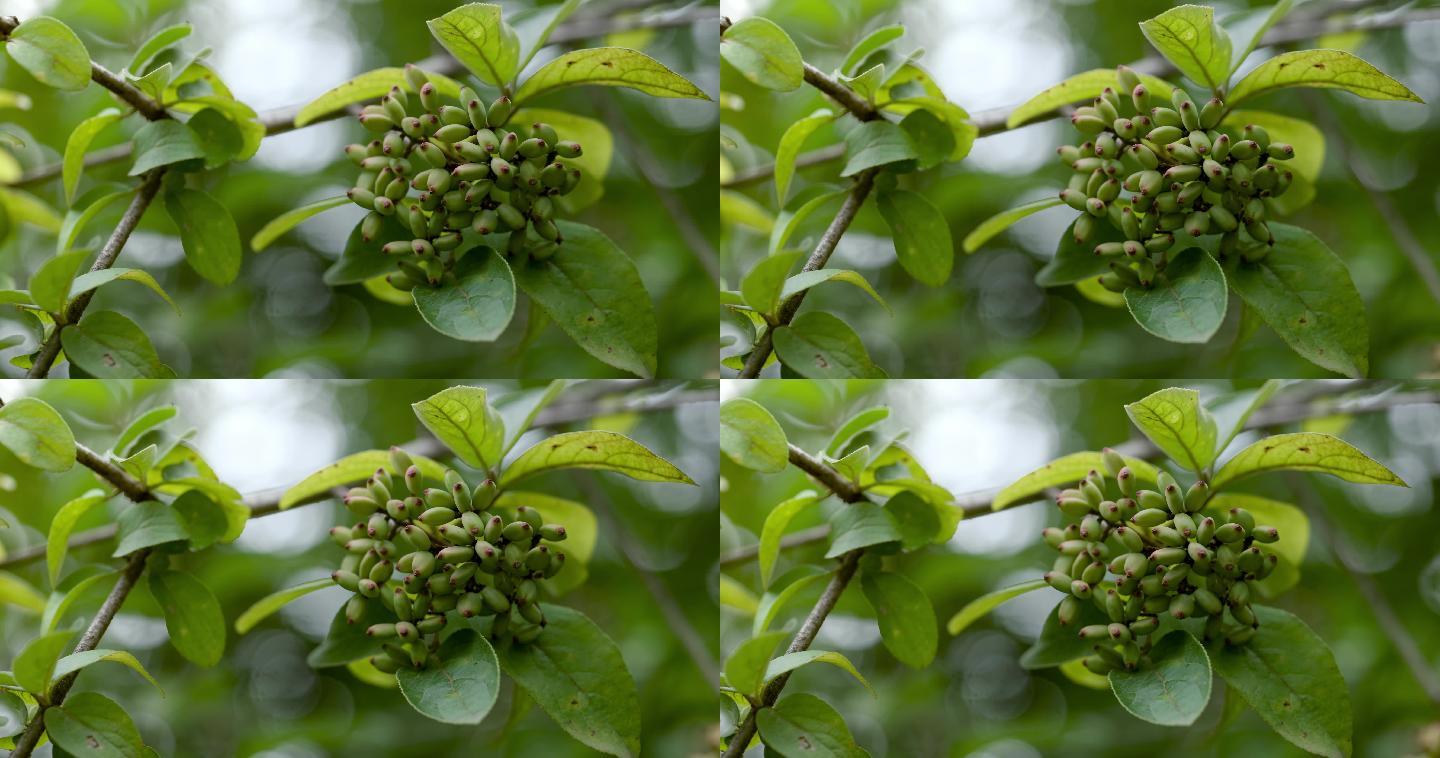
(108, 79)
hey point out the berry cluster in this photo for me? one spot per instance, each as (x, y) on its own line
(471, 173)
(1158, 173)
(1165, 556)
(453, 551)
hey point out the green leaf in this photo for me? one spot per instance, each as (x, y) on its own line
(91, 724)
(13, 715)
(291, 219)
(205, 521)
(1320, 68)
(592, 291)
(917, 518)
(1173, 689)
(905, 615)
(921, 234)
(931, 136)
(790, 143)
(1058, 644)
(108, 345)
(580, 526)
(776, 522)
(52, 53)
(158, 42)
(740, 210)
(609, 67)
(161, 143)
(1176, 422)
(51, 283)
(876, 143)
(463, 419)
(371, 85)
(817, 345)
(600, 450)
(350, 470)
(860, 525)
(478, 306)
(1074, 261)
(1004, 220)
(802, 207)
(804, 726)
(791, 661)
(764, 54)
(208, 233)
(807, 279)
(873, 42)
(94, 201)
(56, 542)
(37, 435)
(462, 687)
(477, 36)
(1189, 38)
(1306, 451)
(576, 674)
(752, 437)
(1188, 304)
(1309, 144)
(1294, 527)
(145, 525)
(771, 603)
(25, 208)
(745, 668)
(977, 608)
(94, 279)
(74, 590)
(76, 661)
(192, 616)
(346, 642)
(763, 285)
(1260, 398)
(218, 136)
(1288, 675)
(34, 667)
(1304, 292)
(735, 595)
(1077, 89)
(593, 163)
(1063, 472)
(1252, 24)
(79, 142)
(361, 260)
(853, 426)
(268, 605)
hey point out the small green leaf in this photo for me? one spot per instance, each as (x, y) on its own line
(1004, 220)
(1079, 88)
(921, 234)
(1304, 292)
(789, 148)
(51, 52)
(93, 279)
(371, 85)
(76, 661)
(158, 42)
(1288, 675)
(776, 522)
(74, 589)
(853, 426)
(1173, 689)
(56, 541)
(1320, 68)
(35, 665)
(764, 283)
(1306, 451)
(145, 525)
(905, 615)
(860, 525)
(50, 285)
(79, 142)
(575, 673)
(807, 279)
(268, 605)
(977, 608)
(804, 726)
(1074, 261)
(192, 616)
(802, 207)
(876, 143)
(593, 292)
(609, 67)
(93, 202)
(771, 603)
(791, 661)
(745, 668)
(350, 470)
(37, 435)
(752, 437)
(463, 419)
(1063, 472)
(91, 724)
(462, 687)
(478, 306)
(600, 450)
(291, 219)
(817, 345)
(108, 345)
(1176, 422)
(737, 209)
(1189, 38)
(477, 36)
(764, 54)
(1188, 304)
(1294, 527)
(207, 232)
(161, 143)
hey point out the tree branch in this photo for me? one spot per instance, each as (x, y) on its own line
(104, 77)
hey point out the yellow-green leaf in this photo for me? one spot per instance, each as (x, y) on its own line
(371, 85)
(51, 52)
(977, 608)
(1079, 88)
(477, 36)
(609, 67)
(1189, 37)
(1306, 451)
(1335, 69)
(78, 142)
(56, 542)
(1063, 472)
(1004, 220)
(268, 605)
(350, 470)
(605, 451)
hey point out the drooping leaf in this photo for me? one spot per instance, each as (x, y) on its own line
(1176, 422)
(876, 143)
(921, 235)
(805, 204)
(905, 615)
(791, 661)
(776, 522)
(1173, 689)
(34, 667)
(207, 232)
(807, 279)
(790, 144)
(1189, 38)
(51, 52)
(1079, 88)
(192, 616)
(350, 470)
(463, 419)
(90, 205)
(89, 723)
(751, 436)
(1004, 220)
(595, 449)
(37, 435)
(1063, 472)
(371, 85)
(977, 608)
(817, 345)
(94, 279)
(480, 39)
(1188, 304)
(109, 345)
(462, 687)
(162, 143)
(78, 143)
(1306, 451)
(1335, 69)
(764, 54)
(608, 67)
(291, 219)
(802, 725)
(478, 306)
(76, 661)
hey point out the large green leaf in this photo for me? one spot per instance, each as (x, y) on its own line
(752, 437)
(350, 470)
(790, 143)
(57, 540)
(1188, 304)
(980, 606)
(477, 36)
(89, 723)
(207, 232)
(1004, 220)
(463, 419)
(192, 616)
(1288, 675)
(764, 54)
(76, 661)
(575, 673)
(37, 435)
(788, 662)
(108, 345)
(34, 667)
(600, 450)
(592, 291)
(1176, 422)
(161, 143)
(1304, 292)
(268, 605)
(462, 687)
(78, 143)
(1079, 88)
(859, 525)
(1189, 38)
(745, 668)
(804, 726)
(905, 615)
(1063, 472)
(291, 219)
(817, 345)
(1320, 68)
(51, 52)
(921, 235)
(776, 522)
(371, 85)
(1173, 688)
(609, 67)
(145, 525)
(876, 143)
(764, 284)
(807, 279)
(50, 284)
(1306, 451)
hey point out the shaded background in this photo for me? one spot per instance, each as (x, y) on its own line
(279, 318)
(991, 319)
(262, 697)
(975, 699)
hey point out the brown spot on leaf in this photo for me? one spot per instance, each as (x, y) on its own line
(821, 362)
(1319, 65)
(109, 360)
(592, 447)
(1304, 449)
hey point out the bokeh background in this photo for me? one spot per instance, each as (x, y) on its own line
(279, 318)
(262, 699)
(991, 319)
(977, 436)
